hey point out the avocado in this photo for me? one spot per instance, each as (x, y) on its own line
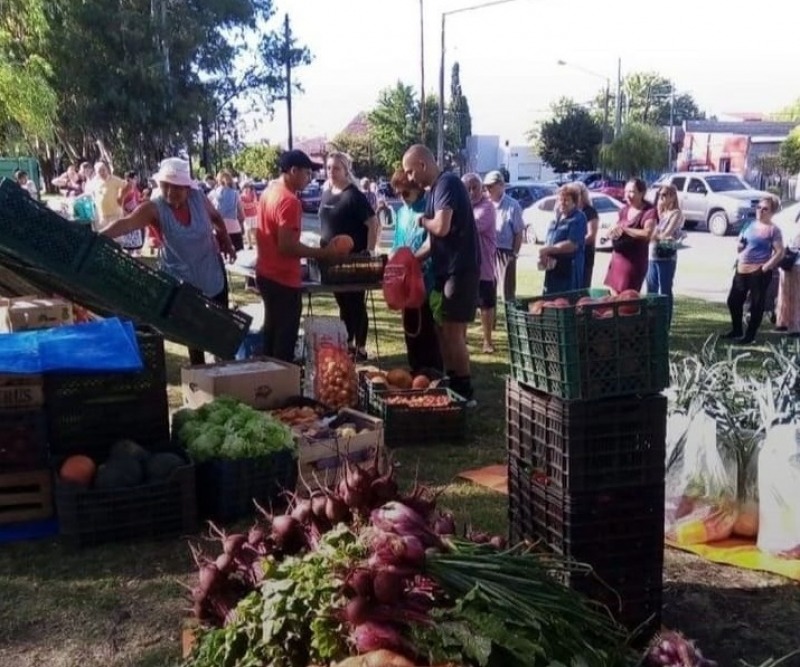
(123, 448)
(161, 466)
(120, 472)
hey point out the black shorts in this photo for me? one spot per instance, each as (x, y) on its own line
(460, 298)
(237, 239)
(487, 294)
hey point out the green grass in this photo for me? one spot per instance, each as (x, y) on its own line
(123, 604)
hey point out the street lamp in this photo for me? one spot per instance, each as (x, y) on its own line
(564, 63)
(440, 119)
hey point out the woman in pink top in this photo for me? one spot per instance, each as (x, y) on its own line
(484, 212)
(249, 200)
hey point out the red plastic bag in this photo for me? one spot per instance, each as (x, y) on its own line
(403, 283)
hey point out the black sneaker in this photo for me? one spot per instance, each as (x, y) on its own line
(360, 356)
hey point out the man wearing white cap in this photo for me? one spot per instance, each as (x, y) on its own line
(192, 231)
(510, 227)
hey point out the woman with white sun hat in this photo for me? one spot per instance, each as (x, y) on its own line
(192, 231)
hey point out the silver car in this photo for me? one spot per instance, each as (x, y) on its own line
(538, 217)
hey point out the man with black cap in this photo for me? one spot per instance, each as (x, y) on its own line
(279, 251)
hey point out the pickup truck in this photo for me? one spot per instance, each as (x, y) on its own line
(721, 201)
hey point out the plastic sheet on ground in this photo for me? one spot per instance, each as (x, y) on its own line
(744, 554)
(102, 345)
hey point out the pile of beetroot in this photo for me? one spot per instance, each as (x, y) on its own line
(363, 575)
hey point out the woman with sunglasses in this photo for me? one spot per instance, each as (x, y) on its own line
(419, 328)
(760, 251)
(664, 245)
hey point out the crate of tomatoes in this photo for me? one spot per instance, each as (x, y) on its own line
(373, 381)
(422, 417)
(590, 344)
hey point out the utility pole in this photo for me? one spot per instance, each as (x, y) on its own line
(618, 106)
(671, 139)
(287, 56)
(422, 71)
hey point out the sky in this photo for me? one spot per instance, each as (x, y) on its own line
(731, 57)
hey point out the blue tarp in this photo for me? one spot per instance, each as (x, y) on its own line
(102, 345)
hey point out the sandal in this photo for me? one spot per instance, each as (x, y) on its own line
(488, 349)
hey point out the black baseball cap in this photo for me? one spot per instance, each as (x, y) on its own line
(297, 159)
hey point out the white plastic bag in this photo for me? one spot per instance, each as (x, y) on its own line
(779, 492)
(700, 486)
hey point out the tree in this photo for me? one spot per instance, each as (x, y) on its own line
(394, 124)
(569, 140)
(638, 148)
(258, 161)
(788, 114)
(646, 99)
(27, 100)
(790, 152)
(459, 121)
(359, 148)
(136, 80)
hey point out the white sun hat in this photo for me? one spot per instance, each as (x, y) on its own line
(175, 171)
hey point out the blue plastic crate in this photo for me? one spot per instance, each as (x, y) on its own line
(28, 530)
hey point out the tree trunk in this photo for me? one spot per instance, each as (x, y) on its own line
(205, 148)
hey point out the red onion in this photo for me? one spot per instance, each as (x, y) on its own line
(444, 524)
(394, 517)
(388, 587)
(361, 582)
(371, 636)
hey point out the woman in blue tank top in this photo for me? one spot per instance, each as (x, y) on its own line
(760, 251)
(192, 231)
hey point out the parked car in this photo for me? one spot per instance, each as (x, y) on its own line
(539, 216)
(612, 188)
(721, 201)
(310, 197)
(526, 192)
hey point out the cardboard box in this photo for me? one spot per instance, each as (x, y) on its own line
(261, 382)
(321, 460)
(21, 392)
(27, 313)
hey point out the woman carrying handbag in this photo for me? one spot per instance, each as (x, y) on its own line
(663, 259)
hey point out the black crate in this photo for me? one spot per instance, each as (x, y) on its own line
(32, 232)
(67, 389)
(368, 391)
(350, 270)
(603, 527)
(90, 427)
(632, 593)
(405, 425)
(124, 282)
(197, 321)
(89, 517)
(227, 489)
(23, 440)
(588, 445)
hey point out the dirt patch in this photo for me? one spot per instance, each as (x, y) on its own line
(735, 615)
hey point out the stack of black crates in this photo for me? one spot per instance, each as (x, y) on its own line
(585, 432)
(86, 413)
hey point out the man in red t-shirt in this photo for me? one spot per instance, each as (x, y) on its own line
(279, 251)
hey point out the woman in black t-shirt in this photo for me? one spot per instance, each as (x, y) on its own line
(592, 225)
(344, 209)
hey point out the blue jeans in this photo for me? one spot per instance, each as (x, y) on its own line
(660, 276)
